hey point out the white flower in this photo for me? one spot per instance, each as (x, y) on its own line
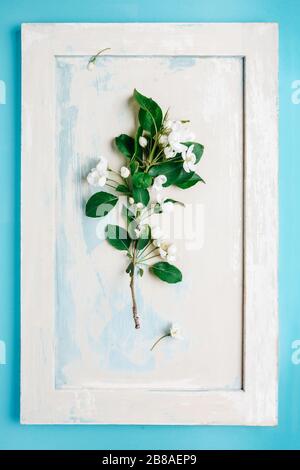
(124, 172)
(102, 165)
(169, 152)
(177, 133)
(143, 141)
(175, 140)
(169, 124)
(131, 201)
(97, 176)
(175, 331)
(91, 65)
(94, 179)
(163, 140)
(159, 181)
(189, 159)
(167, 251)
(181, 130)
(139, 205)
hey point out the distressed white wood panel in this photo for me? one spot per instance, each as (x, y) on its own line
(97, 344)
(44, 46)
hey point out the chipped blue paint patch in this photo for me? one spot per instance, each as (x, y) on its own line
(2, 353)
(181, 63)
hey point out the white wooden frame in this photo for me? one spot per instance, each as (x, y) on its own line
(256, 403)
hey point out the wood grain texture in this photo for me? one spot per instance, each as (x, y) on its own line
(42, 402)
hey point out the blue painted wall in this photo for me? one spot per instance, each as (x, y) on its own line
(12, 434)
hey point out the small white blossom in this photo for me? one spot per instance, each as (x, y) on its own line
(159, 181)
(189, 159)
(175, 331)
(167, 251)
(158, 236)
(169, 152)
(177, 133)
(169, 124)
(143, 141)
(163, 140)
(102, 165)
(98, 176)
(124, 172)
(139, 205)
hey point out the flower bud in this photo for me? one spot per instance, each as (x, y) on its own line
(143, 141)
(124, 172)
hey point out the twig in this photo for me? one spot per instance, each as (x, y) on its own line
(136, 318)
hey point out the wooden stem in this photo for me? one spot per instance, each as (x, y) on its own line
(136, 318)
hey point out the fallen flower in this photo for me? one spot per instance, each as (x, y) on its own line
(174, 332)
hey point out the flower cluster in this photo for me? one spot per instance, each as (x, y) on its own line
(162, 153)
(98, 176)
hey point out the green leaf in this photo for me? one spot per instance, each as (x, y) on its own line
(123, 189)
(170, 169)
(140, 271)
(134, 166)
(118, 237)
(150, 116)
(141, 195)
(197, 150)
(166, 272)
(174, 201)
(138, 151)
(147, 123)
(144, 238)
(183, 176)
(100, 204)
(194, 179)
(142, 180)
(125, 145)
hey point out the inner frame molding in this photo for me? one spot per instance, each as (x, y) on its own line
(256, 403)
